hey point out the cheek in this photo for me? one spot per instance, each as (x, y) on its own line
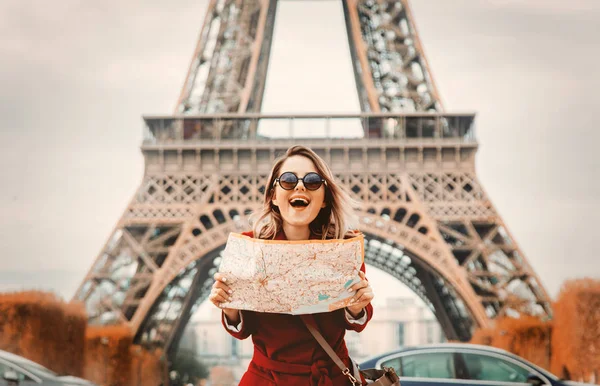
(282, 196)
(319, 199)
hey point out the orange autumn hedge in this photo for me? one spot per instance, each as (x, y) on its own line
(147, 367)
(569, 346)
(576, 338)
(526, 337)
(107, 357)
(111, 358)
(45, 329)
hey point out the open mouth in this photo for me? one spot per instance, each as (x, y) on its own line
(299, 203)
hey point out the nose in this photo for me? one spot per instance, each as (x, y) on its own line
(298, 185)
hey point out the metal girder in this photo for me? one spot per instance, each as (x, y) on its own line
(228, 68)
(390, 67)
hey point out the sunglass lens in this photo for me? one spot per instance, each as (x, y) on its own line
(288, 180)
(312, 181)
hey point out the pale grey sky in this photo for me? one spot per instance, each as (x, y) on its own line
(77, 76)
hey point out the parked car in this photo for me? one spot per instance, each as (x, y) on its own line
(16, 370)
(466, 364)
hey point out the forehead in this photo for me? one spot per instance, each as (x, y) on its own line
(299, 165)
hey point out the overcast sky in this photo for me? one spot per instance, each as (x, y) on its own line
(76, 76)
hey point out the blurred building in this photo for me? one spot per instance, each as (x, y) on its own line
(189, 341)
(398, 323)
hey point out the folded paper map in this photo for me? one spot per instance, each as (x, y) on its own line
(291, 277)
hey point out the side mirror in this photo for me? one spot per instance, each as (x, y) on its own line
(11, 377)
(535, 380)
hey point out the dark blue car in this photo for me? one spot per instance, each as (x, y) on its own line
(462, 364)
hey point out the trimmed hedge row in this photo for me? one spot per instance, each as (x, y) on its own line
(576, 337)
(47, 330)
(568, 346)
(111, 358)
(526, 337)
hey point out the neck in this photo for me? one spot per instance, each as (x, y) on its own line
(293, 232)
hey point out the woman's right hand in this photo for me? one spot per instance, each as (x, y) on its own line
(222, 293)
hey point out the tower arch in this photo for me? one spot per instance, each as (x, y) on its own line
(418, 261)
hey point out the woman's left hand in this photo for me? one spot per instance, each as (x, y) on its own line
(363, 296)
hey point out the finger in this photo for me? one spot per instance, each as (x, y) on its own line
(221, 299)
(220, 277)
(223, 294)
(219, 296)
(359, 306)
(357, 296)
(365, 297)
(362, 295)
(223, 286)
(214, 300)
(357, 286)
(362, 275)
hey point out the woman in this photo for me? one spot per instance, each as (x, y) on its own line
(285, 353)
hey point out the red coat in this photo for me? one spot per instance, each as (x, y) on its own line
(286, 354)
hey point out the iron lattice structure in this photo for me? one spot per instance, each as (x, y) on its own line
(426, 218)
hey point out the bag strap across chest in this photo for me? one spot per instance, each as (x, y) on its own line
(386, 377)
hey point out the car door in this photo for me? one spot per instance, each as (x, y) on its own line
(423, 368)
(495, 369)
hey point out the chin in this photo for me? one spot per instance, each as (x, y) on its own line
(299, 222)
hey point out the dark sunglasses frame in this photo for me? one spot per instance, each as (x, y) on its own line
(298, 179)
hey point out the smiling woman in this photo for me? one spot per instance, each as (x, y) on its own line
(302, 202)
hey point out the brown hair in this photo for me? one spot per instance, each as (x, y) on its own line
(336, 221)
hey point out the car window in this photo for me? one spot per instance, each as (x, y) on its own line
(487, 368)
(425, 365)
(4, 368)
(393, 363)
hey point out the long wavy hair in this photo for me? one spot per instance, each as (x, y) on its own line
(336, 221)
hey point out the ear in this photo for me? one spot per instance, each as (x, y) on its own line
(274, 199)
(323, 205)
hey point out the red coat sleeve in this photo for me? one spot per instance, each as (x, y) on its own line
(368, 309)
(246, 329)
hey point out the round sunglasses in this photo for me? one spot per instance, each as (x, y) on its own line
(311, 181)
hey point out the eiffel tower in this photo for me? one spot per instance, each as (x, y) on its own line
(427, 220)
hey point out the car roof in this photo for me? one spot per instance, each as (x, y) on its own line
(440, 346)
(72, 380)
(19, 360)
(16, 358)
